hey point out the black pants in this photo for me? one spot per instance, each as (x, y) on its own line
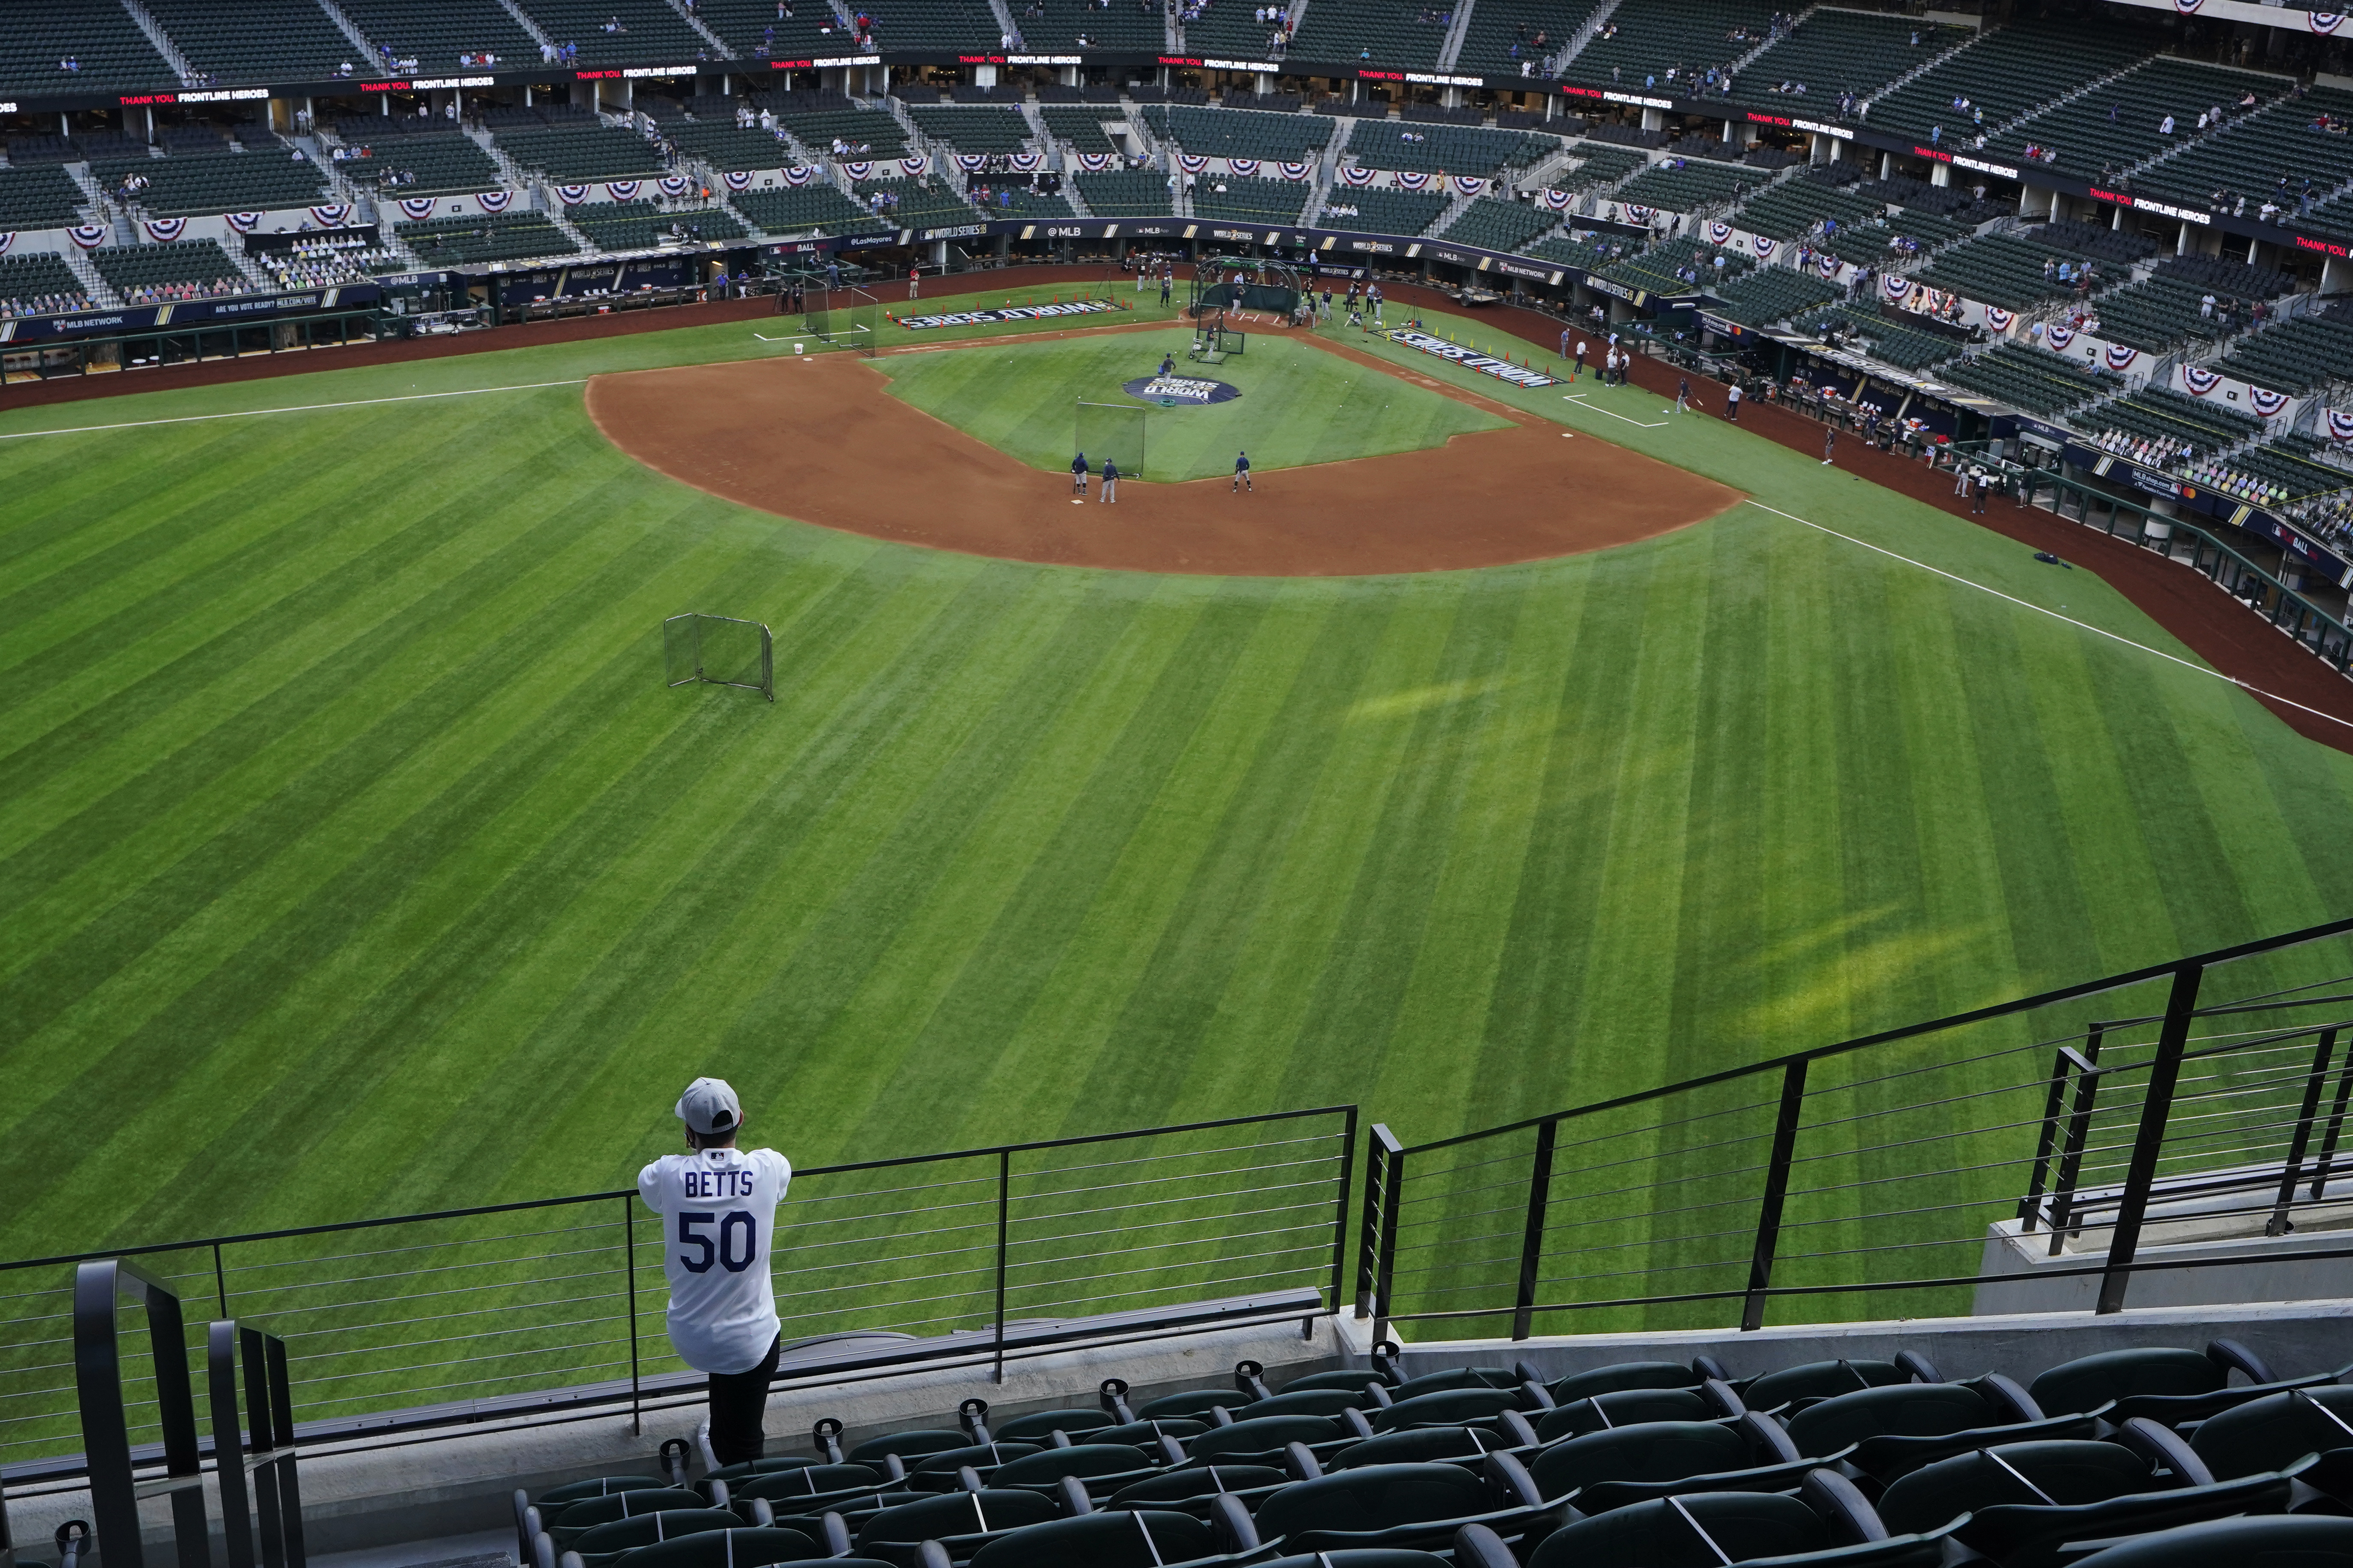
(738, 1402)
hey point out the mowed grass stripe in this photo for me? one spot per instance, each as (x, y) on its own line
(318, 670)
(735, 955)
(213, 902)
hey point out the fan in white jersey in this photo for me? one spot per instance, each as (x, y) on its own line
(719, 1209)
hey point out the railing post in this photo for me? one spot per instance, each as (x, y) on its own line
(1379, 1144)
(228, 1442)
(2046, 1141)
(1777, 1188)
(1340, 1211)
(2079, 1132)
(2336, 1127)
(105, 1429)
(2156, 1108)
(281, 1436)
(1004, 1220)
(1532, 1239)
(630, 1283)
(2292, 1173)
(1392, 1201)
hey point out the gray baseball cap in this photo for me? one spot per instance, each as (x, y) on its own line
(709, 1106)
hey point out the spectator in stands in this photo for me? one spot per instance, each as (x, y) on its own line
(722, 1322)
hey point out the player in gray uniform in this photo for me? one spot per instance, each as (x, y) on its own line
(1241, 471)
(1110, 480)
(718, 1205)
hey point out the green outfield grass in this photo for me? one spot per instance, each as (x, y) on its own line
(356, 861)
(1299, 404)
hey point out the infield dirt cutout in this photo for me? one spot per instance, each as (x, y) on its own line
(821, 440)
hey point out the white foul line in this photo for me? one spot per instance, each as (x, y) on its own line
(1578, 398)
(2112, 636)
(300, 408)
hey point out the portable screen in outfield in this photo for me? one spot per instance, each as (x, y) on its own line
(720, 650)
(846, 318)
(1112, 432)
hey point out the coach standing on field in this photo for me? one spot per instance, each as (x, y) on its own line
(718, 1205)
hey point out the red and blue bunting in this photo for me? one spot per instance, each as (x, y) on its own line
(571, 196)
(1027, 162)
(333, 216)
(623, 190)
(798, 176)
(1765, 247)
(2197, 380)
(1559, 201)
(1246, 167)
(674, 185)
(914, 165)
(1470, 184)
(1999, 319)
(1191, 164)
(738, 180)
(2061, 336)
(2120, 357)
(974, 163)
(6, 240)
(2266, 404)
(88, 236)
(1094, 163)
(2322, 22)
(1896, 287)
(1356, 176)
(244, 223)
(2340, 425)
(416, 209)
(1827, 265)
(1297, 171)
(164, 230)
(858, 170)
(1717, 233)
(494, 201)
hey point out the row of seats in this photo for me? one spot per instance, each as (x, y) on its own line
(874, 130)
(1888, 1463)
(2295, 356)
(255, 40)
(816, 207)
(434, 33)
(1888, 342)
(1834, 52)
(2157, 315)
(1457, 149)
(1998, 269)
(41, 196)
(1499, 25)
(2006, 74)
(1771, 294)
(575, 154)
(913, 203)
(1237, 133)
(1661, 268)
(1232, 199)
(1693, 187)
(1080, 126)
(2189, 427)
(1586, 255)
(1125, 193)
(1491, 224)
(1015, 200)
(754, 30)
(138, 271)
(109, 52)
(650, 30)
(2033, 379)
(2270, 152)
(1379, 210)
(469, 241)
(1597, 165)
(729, 147)
(1395, 32)
(1646, 41)
(642, 226)
(2121, 123)
(973, 129)
(2273, 474)
(246, 182)
(39, 284)
(423, 165)
(1795, 208)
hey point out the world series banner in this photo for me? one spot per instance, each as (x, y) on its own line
(1009, 313)
(1470, 359)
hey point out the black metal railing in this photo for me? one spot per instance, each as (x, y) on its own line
(553, 1307)
(2203, 1099)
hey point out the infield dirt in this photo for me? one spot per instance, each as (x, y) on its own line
(821, 440)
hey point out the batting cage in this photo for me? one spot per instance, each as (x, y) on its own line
(1112, 432)
(720, 650)
(844, 318)
(1247, 286)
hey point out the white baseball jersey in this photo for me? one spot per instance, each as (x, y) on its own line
(719, 1209)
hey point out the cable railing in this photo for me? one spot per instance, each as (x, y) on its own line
(544, 1309)
(2201, 1100)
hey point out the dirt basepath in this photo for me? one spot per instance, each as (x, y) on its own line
(821, 439)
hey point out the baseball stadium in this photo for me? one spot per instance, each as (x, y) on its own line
(1431, 784)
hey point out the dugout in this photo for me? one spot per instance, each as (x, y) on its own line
(192, 344)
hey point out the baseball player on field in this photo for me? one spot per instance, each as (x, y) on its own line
(1241, 471)
(718, 1205)
(1079, 474)
(1110, 480)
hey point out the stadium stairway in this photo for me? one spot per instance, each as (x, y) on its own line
(1586, 33)
(161, 39)
(718, 45)
(348, 28)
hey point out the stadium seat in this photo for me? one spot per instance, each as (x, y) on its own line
(804, 1489)
(2275, 1431)
(938, 1471)
(1896, 1429)
(1042, 1423)
(962, 1523)
(1625, 1376)
(1447, 1408)
(1262, 1442)
(1827, 1521)
(2301, 1542)
(1192, 1490)
(606, 1542)
(1142, 1539)
(1399, 1505)
(572, 1521)
(2164, 1383)
(1822, 1380)
(1099, 1467)
(601, 1486)
(1194, 1402)
(753, 1547)
(1425, 1445)
(1632, 1406)
(920, 1442)
(1603, 1471)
